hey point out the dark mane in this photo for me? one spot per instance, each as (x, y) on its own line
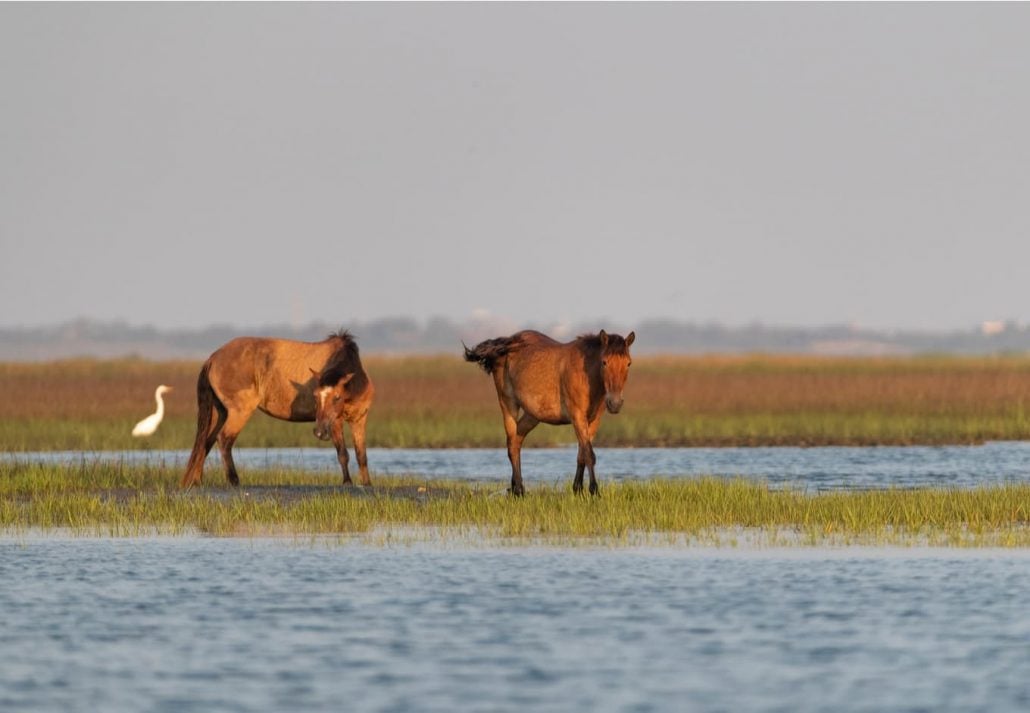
(343, 334)
(344, 361)
(616, 342)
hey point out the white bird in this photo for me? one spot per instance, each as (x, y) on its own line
(148, 425)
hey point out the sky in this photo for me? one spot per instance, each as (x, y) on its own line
(180, 165)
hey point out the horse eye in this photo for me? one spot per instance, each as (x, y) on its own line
(336, 398)
(604, 362)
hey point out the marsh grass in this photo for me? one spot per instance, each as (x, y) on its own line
(670, 401)
(105, 499)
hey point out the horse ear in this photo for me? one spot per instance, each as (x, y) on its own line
(604, 338)
(314, 373)
(344, 379)
(630, 338)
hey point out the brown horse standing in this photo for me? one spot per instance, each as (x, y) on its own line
(294, 381)
(541, 380)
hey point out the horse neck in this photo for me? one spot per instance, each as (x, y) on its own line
(346, 360)
(591, 357)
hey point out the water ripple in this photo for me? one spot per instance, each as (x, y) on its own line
(823, 468)
(113, 625)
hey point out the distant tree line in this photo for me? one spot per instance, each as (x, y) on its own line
(401, 335)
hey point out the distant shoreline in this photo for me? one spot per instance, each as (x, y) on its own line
(405, 336)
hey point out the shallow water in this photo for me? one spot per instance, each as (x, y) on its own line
(195, 624)
(828, 468)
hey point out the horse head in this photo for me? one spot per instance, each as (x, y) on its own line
(330, 399)
(615, 362)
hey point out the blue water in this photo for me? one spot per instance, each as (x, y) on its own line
(193, 624)
(809, 468)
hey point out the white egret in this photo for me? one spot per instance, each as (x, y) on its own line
(148, 425)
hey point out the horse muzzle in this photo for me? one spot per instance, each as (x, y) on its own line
(614, 405)
(321, 432)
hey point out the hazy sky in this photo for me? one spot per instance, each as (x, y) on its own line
(796, 164)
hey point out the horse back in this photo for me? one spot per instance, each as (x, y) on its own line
(542, 375)
(274, 375)
(533, 339)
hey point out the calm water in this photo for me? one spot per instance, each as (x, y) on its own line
(237, 625)
(810, 468)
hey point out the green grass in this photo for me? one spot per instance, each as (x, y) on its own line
(670, 401)
(629, 430)
(120, 500)
(813, 428)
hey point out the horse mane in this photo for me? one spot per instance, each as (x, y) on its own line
(592, 342)
(345, 360)
(343, 334)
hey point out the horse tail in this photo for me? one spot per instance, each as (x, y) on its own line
(488, 353)
(207, 402)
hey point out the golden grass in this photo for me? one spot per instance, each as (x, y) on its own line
(442, 401)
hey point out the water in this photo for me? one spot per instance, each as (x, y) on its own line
(809, 468)
(193, 624)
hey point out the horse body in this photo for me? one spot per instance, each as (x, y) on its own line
(279, 377)
(532, 384)
(540, 380)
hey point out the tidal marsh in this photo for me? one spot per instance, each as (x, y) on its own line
(97, 499)
(670, 401)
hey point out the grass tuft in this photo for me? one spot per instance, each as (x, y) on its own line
(103, 499)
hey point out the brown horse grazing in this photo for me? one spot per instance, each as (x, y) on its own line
(322, 382)
(541, 380)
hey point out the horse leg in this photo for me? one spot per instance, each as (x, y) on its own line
(516, 431)
(523, 426)
(357, 430)
(511, 428)
(211, 415)
(584, 457)
(233, 425)
(341, 450)
(195, 468)
(591, 458)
